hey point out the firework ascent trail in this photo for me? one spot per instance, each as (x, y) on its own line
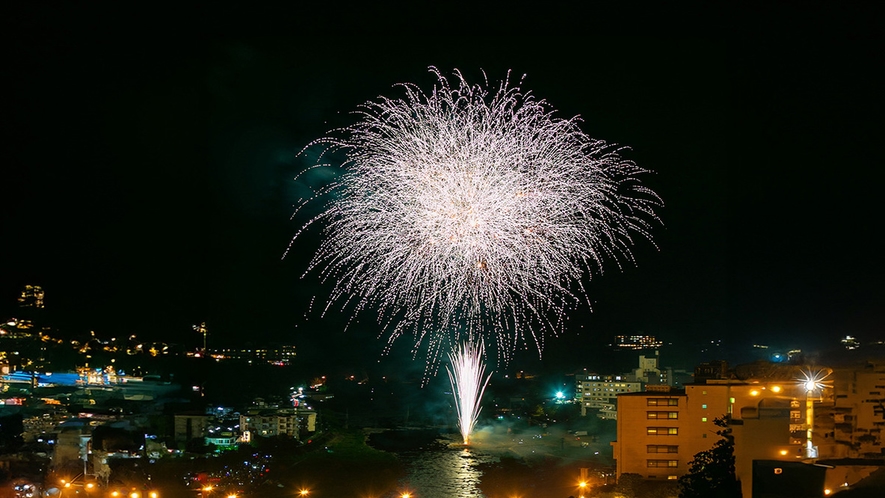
(468, 379)
(471, 212)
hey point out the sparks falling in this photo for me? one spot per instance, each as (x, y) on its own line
(472, 211)
(468, 379)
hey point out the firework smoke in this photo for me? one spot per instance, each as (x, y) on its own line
(472, 211)
(468, 380)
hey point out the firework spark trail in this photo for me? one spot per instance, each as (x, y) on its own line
(468, 379)
(471, 212)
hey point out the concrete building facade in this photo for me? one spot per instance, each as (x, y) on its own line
(773, 417)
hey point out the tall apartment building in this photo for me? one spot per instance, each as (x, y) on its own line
(773, 416)
(659, 432)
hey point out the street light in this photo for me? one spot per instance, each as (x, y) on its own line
(812, 381)
(304, 492)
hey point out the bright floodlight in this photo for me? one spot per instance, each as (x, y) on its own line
(814, 380)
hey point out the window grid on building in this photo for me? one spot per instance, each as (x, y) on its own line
(662, 415)
(662, 431)
(663, 401)
(663, 463)
(662, 448)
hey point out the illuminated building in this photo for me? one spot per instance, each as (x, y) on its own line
(636, 342)
(31, 297)
(600, 392)
(775, 415)
(291, 422)
(658, 433)
(223, 441)
(849, 342)
(275, 355)
(650, 372)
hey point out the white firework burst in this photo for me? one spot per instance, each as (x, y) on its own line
(472, 211)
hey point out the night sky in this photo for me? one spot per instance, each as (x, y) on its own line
(148, 165)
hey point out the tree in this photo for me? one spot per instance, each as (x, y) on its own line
(711, 472)
(629, 484)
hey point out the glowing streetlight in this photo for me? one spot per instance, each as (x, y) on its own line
(582, 483)
(304, 492)
(811, 381)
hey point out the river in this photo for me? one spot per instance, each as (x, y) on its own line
(504, 464)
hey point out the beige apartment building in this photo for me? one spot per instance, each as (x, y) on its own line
(774, 416)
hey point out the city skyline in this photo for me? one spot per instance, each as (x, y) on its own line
(150, 180)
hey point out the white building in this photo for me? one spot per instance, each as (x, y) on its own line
(600, 392)
(289, 422)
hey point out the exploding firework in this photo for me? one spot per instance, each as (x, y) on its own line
(468, 379)
(472, 211)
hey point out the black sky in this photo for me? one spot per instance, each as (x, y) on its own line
(149, 162)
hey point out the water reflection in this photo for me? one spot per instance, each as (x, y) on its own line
(449, 470)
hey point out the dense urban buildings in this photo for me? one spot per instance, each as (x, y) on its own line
(109, 410)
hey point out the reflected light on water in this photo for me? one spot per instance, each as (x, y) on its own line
(447, 472)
